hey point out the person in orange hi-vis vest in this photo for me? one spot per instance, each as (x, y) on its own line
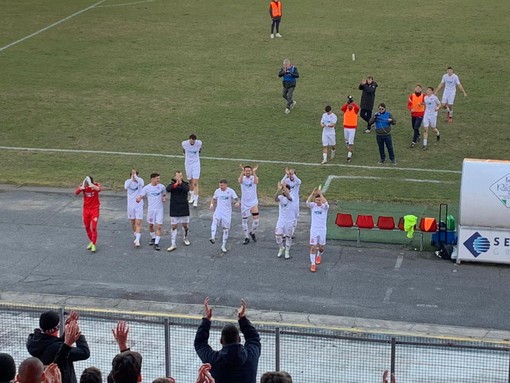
(275, 11)
(351, 110)
(417, 107)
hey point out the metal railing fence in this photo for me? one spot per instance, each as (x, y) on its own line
(308, 354)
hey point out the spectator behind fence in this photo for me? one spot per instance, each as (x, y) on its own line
(385, 377)
(127, 367)
(91, 375)
(32, 370)
(7, 368)
(276, 377)
(45, 344)
(235, 362)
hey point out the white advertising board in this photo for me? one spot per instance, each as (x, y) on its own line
(485, 193)
(482, 244)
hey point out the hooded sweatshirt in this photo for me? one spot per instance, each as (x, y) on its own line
(45, 347)
(235, 362)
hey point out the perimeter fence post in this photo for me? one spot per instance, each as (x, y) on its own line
(277, 348)
(509, 367)
(393, 352)
(62, 315)
(167, 347)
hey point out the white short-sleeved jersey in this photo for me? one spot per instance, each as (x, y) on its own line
(326, 120)
(224, 201)
(286, 216)
(450, 82)
(154, 196)
(319, 215)
(431, 103)
(134, 189)
(248, 193)
(294, 185)
(191, 152)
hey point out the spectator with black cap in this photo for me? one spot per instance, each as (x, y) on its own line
(44, 343)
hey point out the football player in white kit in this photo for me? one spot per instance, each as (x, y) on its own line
(450, 82)
(221, 204)
(432, 105)
(328, 125)
(192, 149)
(319, 215)
(286, 218)
(156, 196)
(290, 178)
(134, 186)
(249, 201)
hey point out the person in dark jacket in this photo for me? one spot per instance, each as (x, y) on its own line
(179, 208)
(235, 362)
(368, 87)
(45, 344)
(290, 75)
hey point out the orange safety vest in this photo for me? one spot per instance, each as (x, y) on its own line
(276, 8)
(350, 115)
(416, 104)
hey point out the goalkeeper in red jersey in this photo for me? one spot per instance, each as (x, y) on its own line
(91, 204)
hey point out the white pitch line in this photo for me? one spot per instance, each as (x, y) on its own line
(400, 259)
(121, 5)
(50, 26)
(54, 150)
(331, 178)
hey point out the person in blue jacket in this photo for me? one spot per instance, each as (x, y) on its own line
(289, 73)
(383, 120)
(235, 362)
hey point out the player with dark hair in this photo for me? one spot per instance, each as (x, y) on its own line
(328, 125)
(91, 204)
(192, 149)
(134, 186)
(221, 204)
(450, 81)
(156, 196)
(249, 180)
(319, 215)
(286, 217)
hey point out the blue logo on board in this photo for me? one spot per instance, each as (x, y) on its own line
(476, 244)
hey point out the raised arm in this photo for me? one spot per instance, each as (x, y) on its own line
(254, 171)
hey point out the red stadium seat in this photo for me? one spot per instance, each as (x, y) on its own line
(401, 223)
(385, 223)
(365, 221)
(344, 220)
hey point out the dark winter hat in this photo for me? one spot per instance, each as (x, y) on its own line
(7, 368)
(48, 321)
(350, 99)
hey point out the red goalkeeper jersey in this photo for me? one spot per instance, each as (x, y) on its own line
(90, 197)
